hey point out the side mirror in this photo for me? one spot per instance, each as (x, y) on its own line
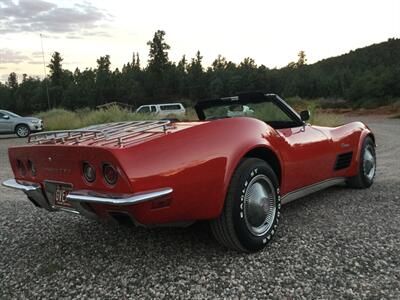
(6, 117)
(305, 115)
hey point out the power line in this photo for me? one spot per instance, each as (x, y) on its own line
(45, 75)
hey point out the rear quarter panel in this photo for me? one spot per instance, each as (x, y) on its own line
(197, 163)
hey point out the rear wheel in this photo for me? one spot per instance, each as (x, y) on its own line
(252, 208)
(366, 168)
(22, 130)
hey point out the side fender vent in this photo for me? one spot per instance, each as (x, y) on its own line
(343, 160)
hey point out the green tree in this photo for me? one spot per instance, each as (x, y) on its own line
(302, 60)
(55, 67)
(12, 84)
(366, 77)
(57, 84)
(196, 78)
(136, 60)
(158, 54)
(104, 84)
(12, 81)
(182, 64)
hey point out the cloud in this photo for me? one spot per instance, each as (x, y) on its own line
(3, 77)
(8, 56)
(37, 54)
(87, 33)
(43, 16)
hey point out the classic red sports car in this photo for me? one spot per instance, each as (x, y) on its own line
(246, 156)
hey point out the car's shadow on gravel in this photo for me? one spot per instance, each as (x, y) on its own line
(91, 241)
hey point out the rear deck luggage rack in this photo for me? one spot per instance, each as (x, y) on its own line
(118, 134)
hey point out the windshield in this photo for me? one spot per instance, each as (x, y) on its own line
(266, 110)
(12, 114)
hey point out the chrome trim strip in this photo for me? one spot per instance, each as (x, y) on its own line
(75, 212)
(27, 187)
(87, 196)
(307, 190)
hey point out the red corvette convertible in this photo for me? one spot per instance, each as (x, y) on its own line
(246, 156)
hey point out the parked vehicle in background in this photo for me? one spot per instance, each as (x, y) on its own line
(21, 126)
(162, 109)
(237, 110)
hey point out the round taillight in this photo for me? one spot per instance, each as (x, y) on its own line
(32, 168)
(89, 172)
(110, 174)
(21, 167)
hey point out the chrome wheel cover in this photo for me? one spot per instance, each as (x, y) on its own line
(259, 205)
(369, 162)
(22, 131)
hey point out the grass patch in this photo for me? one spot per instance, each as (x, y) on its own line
(318, 117)
(61, 119)
(324, 119)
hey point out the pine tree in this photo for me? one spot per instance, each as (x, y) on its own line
(55, 67)
(158, 55)
(12, 81)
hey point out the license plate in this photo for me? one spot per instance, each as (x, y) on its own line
(57, 193)
(60, 196)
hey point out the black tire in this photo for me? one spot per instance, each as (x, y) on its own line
(22, 131)
(235, 226)
(365, 178)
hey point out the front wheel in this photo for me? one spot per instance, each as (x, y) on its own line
(252, 208)
(22, 131)
(366, 168)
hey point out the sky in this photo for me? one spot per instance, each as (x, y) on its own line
(271, 32)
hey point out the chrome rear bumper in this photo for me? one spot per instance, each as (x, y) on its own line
(36, 194)
(32, 190)
(89, 197)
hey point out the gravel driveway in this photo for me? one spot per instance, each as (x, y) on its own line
(338, 243)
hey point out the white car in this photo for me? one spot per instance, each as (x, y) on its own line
(162, 109)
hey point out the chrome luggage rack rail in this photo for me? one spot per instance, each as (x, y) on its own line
(119, 134)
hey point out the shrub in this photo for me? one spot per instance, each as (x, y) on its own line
(61, 119)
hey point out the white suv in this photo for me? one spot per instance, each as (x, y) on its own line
(162, 109)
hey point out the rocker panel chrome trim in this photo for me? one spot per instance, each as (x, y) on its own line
(304, 191)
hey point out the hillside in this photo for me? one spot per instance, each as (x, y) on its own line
(366, 77)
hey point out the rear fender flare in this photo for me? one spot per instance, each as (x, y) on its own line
(234, 163)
